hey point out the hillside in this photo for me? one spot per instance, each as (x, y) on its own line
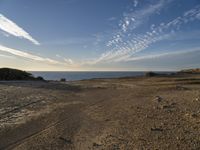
(193, 71)
(14, 74)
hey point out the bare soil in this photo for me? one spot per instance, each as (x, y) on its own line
(101, 114)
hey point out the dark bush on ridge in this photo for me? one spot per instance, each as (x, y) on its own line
(40, 78)
(14, 74)
(62, 79)
(151, 74)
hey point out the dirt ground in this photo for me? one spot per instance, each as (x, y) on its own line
(140, 113)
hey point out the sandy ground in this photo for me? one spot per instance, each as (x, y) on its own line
(103, 114)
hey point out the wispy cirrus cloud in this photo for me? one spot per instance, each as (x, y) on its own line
(12, 28)
(66, 60)
(153, 56)
(133, 19)
(27, 55)
(69, 61)
(135, 3)
(124, 48)
(6, 56)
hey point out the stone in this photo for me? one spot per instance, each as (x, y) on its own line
(158, 99)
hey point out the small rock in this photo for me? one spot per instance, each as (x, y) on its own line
(68, 141)
(172, 104)
(158, 99)
(166, 107)
(178, 87)
(194, 115)
(157, 129)
(96, 145)
(155, 107)
(163, 123)
(107, 120)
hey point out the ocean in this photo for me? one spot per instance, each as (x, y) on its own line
(72, 76)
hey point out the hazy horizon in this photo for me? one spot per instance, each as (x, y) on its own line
(100, 35)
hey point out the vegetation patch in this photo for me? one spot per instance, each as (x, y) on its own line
(7, 74)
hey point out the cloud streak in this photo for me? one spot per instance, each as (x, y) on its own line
(135, 3)
(6, 56)
(12, 28)
(163, 54)
(66, 61)
(27, 55)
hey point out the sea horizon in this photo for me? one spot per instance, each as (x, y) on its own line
(83, 75)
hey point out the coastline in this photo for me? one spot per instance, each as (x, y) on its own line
(85, 75)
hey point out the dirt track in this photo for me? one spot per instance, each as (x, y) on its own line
(129, 113)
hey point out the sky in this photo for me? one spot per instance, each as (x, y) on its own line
(100, 35)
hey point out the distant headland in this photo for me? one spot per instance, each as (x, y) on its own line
(15, 74)
(193, 71)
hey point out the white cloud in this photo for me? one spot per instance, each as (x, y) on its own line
(163, 54)
(6, 56)
(133, 19)
(127, 49)
(27, 55)
(4, 33)
(112, 18)
(12, 28)
(121, 51)
(68, 61)
(138, 17)
(135, 3)
(57, 55)
(198, 16)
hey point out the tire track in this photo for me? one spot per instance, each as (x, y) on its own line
(69, 119)
(18, 109)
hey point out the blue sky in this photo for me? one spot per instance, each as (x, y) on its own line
(94, 35)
